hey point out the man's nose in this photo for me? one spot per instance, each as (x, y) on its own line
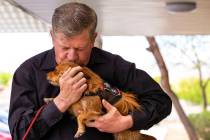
(72, 55)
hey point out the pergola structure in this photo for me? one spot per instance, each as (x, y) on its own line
(116, 17)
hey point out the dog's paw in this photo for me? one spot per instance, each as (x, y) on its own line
(47, 100)
(79, 134)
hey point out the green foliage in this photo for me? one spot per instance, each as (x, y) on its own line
(4, 78)
(189, 89)
(157, 79)
(201, 123)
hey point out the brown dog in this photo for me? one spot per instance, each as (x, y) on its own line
(90, 105)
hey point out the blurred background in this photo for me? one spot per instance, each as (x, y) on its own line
(169, 39)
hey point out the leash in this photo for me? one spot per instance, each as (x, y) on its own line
(32, 122)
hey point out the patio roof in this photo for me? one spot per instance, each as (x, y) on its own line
(15, 19)
(116, 18)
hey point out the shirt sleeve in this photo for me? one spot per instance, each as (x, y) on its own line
(24, 105)
(155, 103)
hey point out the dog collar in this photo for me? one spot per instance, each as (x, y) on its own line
(110, 94)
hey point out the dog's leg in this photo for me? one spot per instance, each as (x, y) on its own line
(81, 126)
(92, 116)
(83, 119)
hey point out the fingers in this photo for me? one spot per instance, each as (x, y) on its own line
(107, 105)
(82, 88)
(79, 82)
(100, 121)
(73, 76)
(72, 72)
(79, 76)
(65, 75)
(107, 122)
(72, 86)
(72, 83)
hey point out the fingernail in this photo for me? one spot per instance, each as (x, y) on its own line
(104, 101)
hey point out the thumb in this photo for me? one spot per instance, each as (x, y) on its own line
(107, 105)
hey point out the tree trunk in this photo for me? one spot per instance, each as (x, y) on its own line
(154, 48)
(203, 89)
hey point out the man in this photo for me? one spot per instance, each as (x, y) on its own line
(73, 35)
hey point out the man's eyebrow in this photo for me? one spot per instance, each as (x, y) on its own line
(63, 46)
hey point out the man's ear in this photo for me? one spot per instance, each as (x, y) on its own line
(51, 34)
(98, 41)
(94, 37)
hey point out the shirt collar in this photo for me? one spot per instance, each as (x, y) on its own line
(49, 62)
(96, 57)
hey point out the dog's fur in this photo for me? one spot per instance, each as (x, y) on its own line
(91, 107)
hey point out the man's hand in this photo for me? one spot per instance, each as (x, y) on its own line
(72, 85)
(113, 121)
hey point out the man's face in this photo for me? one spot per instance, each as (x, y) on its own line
(75, 49)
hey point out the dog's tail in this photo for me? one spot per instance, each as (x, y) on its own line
(127, 103)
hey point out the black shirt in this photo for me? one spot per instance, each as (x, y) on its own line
(30, 87)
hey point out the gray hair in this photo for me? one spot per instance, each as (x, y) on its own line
(72, 18)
